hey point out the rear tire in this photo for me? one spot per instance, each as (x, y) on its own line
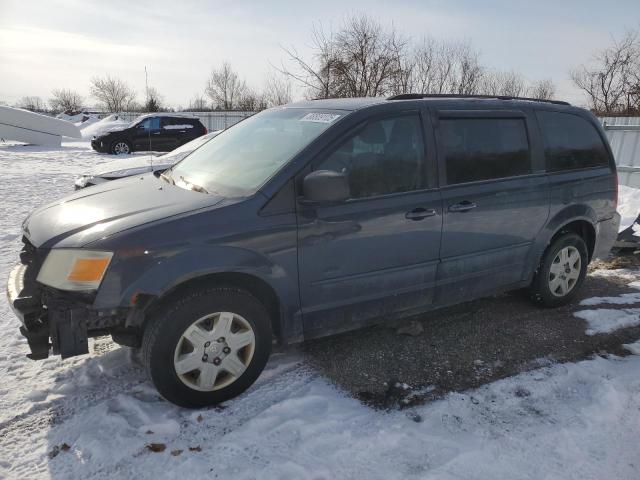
(208, 346)
(562, 270)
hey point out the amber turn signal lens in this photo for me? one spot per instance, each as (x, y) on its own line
(74, 269)
(88, 269)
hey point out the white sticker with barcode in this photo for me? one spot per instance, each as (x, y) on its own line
(319, 117)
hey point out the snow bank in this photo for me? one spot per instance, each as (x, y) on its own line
(85, 124)
(628, 206)
(634, 348)
(606, 320)
(78, 118)
(107, 124)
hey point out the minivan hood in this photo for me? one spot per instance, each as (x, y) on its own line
(97, 212)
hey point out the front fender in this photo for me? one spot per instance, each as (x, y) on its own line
(158, 273)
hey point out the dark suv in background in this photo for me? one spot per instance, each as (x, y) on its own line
(317, 218)
(157, 132)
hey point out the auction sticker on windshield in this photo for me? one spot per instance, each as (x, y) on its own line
(319, 117)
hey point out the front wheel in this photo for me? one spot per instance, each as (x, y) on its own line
(120, 147)
(561, 272)
(207, 347)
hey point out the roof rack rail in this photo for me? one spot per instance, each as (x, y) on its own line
(416, 96)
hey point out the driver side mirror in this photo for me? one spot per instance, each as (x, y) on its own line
(325, 186)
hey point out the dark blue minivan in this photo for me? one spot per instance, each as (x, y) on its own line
(313, 219)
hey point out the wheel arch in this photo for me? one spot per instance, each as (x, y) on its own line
(121, 138)
(577, 218)
(582, 228)
(253, 284)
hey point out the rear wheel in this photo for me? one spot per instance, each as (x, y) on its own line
(120, 147)
(207, 347)
(562, 271)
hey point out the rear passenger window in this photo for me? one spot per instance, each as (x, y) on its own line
(484, 148)
(169, 123)
(384, 156)
(571, 142)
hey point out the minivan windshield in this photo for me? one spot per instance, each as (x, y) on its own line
(244, 157)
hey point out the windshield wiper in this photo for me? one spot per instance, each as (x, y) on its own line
(167, 177)
(193, 186)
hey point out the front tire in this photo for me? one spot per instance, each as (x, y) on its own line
(208, 346)
(120, 147)
(562, 270)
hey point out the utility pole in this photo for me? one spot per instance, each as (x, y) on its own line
(146, 83)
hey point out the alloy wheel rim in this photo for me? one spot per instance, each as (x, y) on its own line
(121, 147)
(214, 351)
(565, 271)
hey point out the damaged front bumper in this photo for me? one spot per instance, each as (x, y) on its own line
(51, 320)
(25, 303)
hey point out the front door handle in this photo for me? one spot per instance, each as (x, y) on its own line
(420, 213)
(462, 206)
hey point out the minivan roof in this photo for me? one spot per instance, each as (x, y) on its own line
(442, 100)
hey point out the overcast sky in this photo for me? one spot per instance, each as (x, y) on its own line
(63, 43)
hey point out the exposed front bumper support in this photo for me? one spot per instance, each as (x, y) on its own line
(68, 330)
(62, 326)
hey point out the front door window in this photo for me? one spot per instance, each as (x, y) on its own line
(384, 156)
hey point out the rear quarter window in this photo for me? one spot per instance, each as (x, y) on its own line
(484, 148)
(176, 123)
(570, 142)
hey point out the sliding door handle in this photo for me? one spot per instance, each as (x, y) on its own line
(462, 206)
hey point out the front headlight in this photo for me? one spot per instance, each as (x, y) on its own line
(74, 270)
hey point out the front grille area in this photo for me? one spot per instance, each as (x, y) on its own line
(32, 258)
(28, 252)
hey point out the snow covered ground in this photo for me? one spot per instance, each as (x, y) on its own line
(97, 417)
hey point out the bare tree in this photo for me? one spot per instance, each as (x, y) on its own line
(468, 71)
(199, 104)
(611, 81)
(542, 89)
(112, 94)
(154, 101)
(315, 75)
(503, 83)
(440, 67)
(33, 103)
(360, 60)
(64, 100)
(425, 60)
(251, 101)
(366, 64)
(224, 87)
(277, 90)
